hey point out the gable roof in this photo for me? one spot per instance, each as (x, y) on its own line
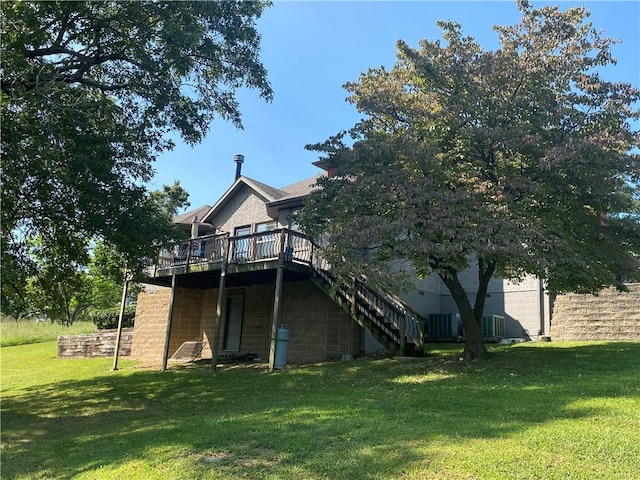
(303, 187)
(294, 195)
(274, 197)
(268, 192)
(185, 220)
(187, 217)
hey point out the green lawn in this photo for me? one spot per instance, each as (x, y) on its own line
(534, 411)
(29, 331)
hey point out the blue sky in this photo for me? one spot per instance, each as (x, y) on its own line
(311, 49)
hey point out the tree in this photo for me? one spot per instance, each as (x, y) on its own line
(519, 161)
(65, 293)
(15, 301)
(59, 292)
(107, 265)
(88, 94)
(171, 199)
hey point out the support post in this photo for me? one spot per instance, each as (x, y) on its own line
(116, 350)
(216, 328)
(165, 356)
(188, 256)
(275, 319)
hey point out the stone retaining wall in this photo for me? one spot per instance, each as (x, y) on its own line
(610, 315)
(99, 344)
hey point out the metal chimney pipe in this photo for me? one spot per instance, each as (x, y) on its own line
(239, 159)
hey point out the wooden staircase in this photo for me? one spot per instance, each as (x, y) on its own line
(386, 318)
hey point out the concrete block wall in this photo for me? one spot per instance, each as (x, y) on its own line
(610, 315)
(256, 320)
(318, 329)
(207, 321)
(150, 325)
(187, 315)
(152, 311)
(99, 344)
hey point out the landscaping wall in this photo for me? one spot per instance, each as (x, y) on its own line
(610, 315)
(99, 344)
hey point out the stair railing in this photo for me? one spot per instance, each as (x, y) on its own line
(391, 315)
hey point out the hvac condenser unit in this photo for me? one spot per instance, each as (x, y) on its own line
(443, 326)
(493, 326)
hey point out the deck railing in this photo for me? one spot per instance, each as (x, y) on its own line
(207, 249)
(262, 246)
(394, 312)
(295, 247)
(390, 314)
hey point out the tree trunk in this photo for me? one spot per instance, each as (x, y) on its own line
(471, 315)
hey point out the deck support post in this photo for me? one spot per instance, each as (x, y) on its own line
(215, 348)
(275, 319)
(123, 302)
(167, 336)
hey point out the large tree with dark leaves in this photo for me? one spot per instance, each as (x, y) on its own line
(521, 160)
(89, 92)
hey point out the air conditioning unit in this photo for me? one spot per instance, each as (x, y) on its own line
(493, 326)
(443, 326)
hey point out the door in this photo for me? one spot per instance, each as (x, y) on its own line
(233, 327)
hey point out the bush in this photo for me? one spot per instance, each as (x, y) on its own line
(108, 318)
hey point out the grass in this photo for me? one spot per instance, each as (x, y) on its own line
(534, 411)
(26, 332)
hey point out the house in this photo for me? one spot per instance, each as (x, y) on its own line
(247, 271)
(233, 277)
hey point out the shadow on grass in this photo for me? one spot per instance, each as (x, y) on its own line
(363, 419)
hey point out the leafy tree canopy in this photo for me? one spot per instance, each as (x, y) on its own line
(171, 199)
(66, 291)
(519, 160)
(89, 91)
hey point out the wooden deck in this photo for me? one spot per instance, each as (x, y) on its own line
(280, 256)
(203, 258)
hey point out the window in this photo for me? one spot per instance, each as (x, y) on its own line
(293, 225)
(266, 226)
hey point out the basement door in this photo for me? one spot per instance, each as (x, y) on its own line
(233, 327)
